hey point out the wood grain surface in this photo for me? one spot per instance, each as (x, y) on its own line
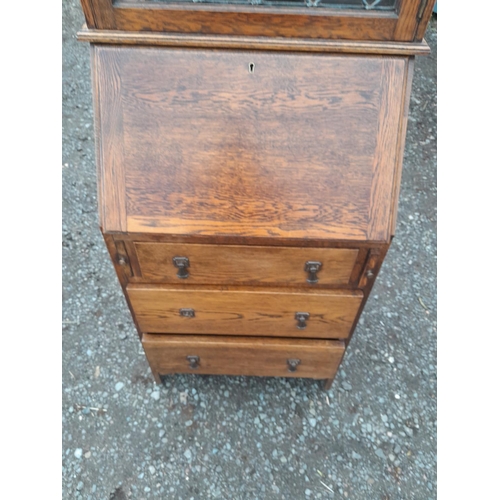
(303, 147)
(251, 356)
(233, 265)
(244, 311)
(253, 43)
(258, 20)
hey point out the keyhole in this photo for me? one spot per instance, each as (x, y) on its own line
(251, 67)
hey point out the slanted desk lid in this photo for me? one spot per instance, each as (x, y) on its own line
(249, 144)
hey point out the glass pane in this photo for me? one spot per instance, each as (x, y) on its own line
(337, 4)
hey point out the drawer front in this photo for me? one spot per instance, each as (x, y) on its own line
(213, 264)
(233, 311)
(243, 356)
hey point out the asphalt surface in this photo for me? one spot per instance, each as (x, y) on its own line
(371, 436)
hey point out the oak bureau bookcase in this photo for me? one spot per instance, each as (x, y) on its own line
(249, 159)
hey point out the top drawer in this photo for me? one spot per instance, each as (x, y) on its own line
(253, 265)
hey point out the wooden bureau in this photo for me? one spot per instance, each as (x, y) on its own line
(248, 180)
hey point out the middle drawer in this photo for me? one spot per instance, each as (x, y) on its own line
(242, 311)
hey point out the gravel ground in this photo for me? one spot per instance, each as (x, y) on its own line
(372, 436)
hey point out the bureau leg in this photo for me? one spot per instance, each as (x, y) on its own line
(157, 377)
(327, 384)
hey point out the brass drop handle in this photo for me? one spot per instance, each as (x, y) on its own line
(292, 364)
(301, 320)
(181, 263)
(194, 362)
(313, 267)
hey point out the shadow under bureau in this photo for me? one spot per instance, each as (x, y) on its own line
(247, 193)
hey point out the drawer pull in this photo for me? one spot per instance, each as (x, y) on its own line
(301, 318)
(312, 267)
(194, 362)
(181, 263)
(187, 313)
(292, 364)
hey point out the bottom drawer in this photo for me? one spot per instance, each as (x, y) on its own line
(255, 356)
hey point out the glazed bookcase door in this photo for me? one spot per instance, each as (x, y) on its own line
(377, 20)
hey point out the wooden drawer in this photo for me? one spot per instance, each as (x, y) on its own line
(242, 356)
(216, 264)
(243, 311)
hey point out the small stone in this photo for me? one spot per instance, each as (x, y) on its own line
(312, 422)
(218, 469)
(147, 489)
(379, 453)
(283, 459)
(429, 485)
(397, 396)
(391, 359)
(397, 449)
(155, 395)
(368, 427)
(188, 454)
(188, 423)
(123, 335)
(88, 454)
(79, 486)
(392, 457)
(86, 411)
(152, 470)
(161, 433)
(308, 492)
(119, 386)
(356, 456)
(409, 431)
(346, 386)
(226, 394)
(78, 453)
(384, 419)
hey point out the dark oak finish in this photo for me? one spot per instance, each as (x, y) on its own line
(244, 311)
(252, 265)
(260, 21)
(252, 356)
(258, 155)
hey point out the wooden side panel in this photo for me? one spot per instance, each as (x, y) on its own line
(401, 142)
(99, 13)
(113, 204)
(424, 20)
(386, 153)
(407, 20)
(233, 265)
(259, 312)
(251, 356)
